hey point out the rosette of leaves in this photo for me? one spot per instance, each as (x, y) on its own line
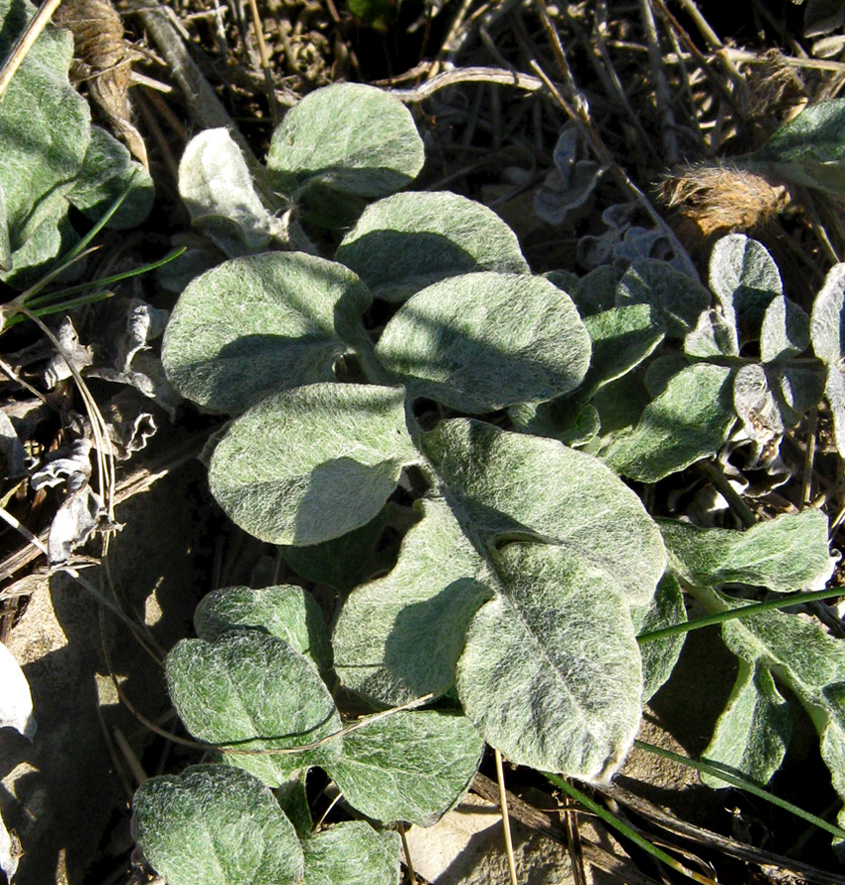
(52, 158)
(514, 589)
(677, 368)
(784, 659)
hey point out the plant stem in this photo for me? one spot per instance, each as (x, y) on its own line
(741, 612)
(716, 769)
(623, 828)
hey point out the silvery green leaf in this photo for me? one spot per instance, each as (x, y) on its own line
(789, 552)
(107, 170)
(284, 610)
(215, 825)
(383, 637)
(548, 677)
(785, 332)
(621, 337)
(826, 333)
(9, 852)
(15, 697)
(659, 656)
(343, 562)
(408, 241)
(621, 403)
(350, 853)
(596, 291)
(576, 502)
(561, 419)
(484, 341)
(690, 420)
(677, 297)
(262, 323)
(714, 335)
(216, 187)
(753, 730)
(253, 690)
(806, 659)
(44, 135)
(409, 766)
(796, 390)
(356, 139)
(314, 463)
(759, 411)
(745, 279)
(809, 149)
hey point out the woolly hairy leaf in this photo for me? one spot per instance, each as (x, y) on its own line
(484, 341)
(745, 279)
(809, 149)
(253, 690)
(216, 187)
(826, 324)
(342, 562)
(785, 332)
(806, 659)
(429, 237)
(259, 324)
(106, 172)
(352, 852)
(575, 502)
(399, 637)
(314, 463)
(753, 730)
(621, 339)
(548, 677)
(789, 552)
(674, 295)
(411, 766)
(286, 611)
(688, 421)
(355, 139)
(714, 335)
(660, 655)
(215, 825)
(758, 409)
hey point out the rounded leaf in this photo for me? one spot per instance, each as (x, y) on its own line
(352, 852)
(312, 464)
(255, 691)
(427, 237)
(262, 323)
(550, 673)
(353, 138)
(216, 825)
(485, 341)
(284, 610)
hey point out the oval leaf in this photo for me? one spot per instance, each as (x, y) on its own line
(660, 655)
(484, 341)
(575, 501)
(253, 690)
(690, 420)
(350, 853)
(789, 552)
(354, 138)
(410, 766)
(383, 637)
(259, 324)
(314, 463)
(429, 237)
(216, 825)
(549, 677)
(286, 611)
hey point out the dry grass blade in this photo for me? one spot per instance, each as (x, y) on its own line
(25, 42)
(506, 822)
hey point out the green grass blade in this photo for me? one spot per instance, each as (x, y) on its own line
(723, 772)
(743, 611)
(625, 830)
